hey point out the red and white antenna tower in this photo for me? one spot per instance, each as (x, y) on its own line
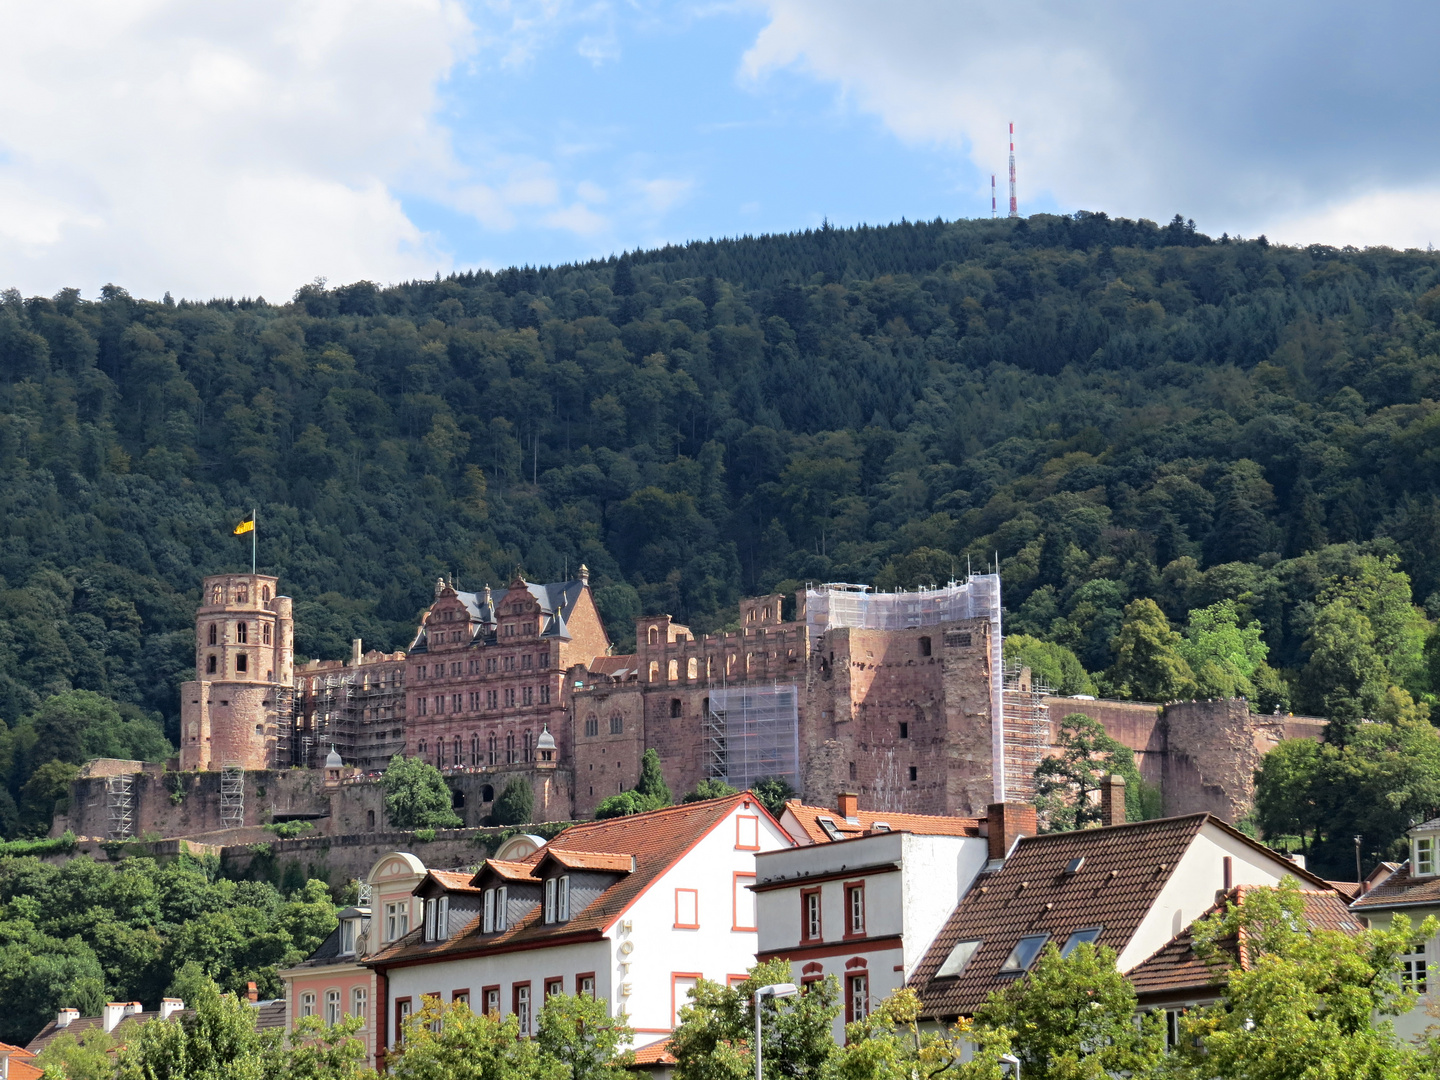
(1014, 206)
(993, 211)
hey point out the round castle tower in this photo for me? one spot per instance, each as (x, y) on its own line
(237, 711)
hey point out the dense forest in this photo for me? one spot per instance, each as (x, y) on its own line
(1117, 411)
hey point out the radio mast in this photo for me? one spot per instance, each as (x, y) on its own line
(993, 211)
(1014, 206)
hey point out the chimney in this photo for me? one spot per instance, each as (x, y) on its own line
(113, 1014)
(584, 574)
(251, 994)
(133, 1008)
(1112, 800)
(1005, 823)
(355, 652)
(850, 807)
(169, 1007)
(66, 1016)
(5, 1064)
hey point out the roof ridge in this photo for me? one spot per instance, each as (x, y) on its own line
(671, 809)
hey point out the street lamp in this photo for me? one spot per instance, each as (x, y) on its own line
(1013, 1062)
(778, 990)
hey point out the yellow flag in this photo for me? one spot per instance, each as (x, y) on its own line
(248, 525)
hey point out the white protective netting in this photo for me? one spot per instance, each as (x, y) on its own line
(754, 732)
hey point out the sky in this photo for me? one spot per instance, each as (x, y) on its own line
(208, 148)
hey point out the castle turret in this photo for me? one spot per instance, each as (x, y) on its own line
(244, 659)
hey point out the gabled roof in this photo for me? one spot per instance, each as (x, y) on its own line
(610, 862)
(556, 599)
(617, 667)
(1175, 967)
(809, 820)
(1035, 892)
(656, 841)
(655, 1054)
(1401, 890)
(21, 1063)
(505, 871)
(450, 881)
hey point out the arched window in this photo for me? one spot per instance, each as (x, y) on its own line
(730, 664)
(654, 635)
(592, 725)
(455, 754)
(242, 632)
(527, 745)
(692, 669)
(332, 1006)
(217, 594)
(210, 664)
(420, 748)
(474, 749)
(493, 746)
(242, 662)
(242, 594)
(654, 671)
(265, 593)
(510, 748)
(265, 633)
(676, 707)
(617, 725)
(672, 672)
(212, 633)
(487, 794)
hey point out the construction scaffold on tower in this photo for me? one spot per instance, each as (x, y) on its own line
(1027, 731)
(120, 806)
(838, 604)
(355, 710)
(753, 732)
(232, 796)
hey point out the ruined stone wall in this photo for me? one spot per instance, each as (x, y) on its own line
(1135, 724)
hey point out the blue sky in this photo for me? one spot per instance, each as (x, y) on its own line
(218, 148)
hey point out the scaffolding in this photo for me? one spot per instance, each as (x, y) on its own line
(838, 604)
(232, 796)
(120, 805)
(753, 732)
(1027, 731)
(359, 711)
(284, 725)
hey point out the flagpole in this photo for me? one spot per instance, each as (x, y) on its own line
(255, 524)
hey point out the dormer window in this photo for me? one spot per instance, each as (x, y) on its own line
(348, 934)
(831, 829)
(493, 921)
(437, 919)
(1424, 856)
(557, 899)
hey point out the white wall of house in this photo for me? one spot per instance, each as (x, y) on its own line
(1194, 884)
(910, 886)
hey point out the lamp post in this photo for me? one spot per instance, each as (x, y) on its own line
(1014, 1063)
(777, 990)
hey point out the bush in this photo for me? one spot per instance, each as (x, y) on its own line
(516, 804)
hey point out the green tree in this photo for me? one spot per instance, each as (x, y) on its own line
(217, 1042)
(623, 804)
(449, 1042)
(890, 1045)
(1054, 665)
(416, 796)
(314, 1050)
(651, 784)
(46, 791)
(1148, 664)
(1345, 678)
(1066, 784)
(1378, 589)
(516, 804)
(773, 792)
(86, 1057)
(584, 1038)
(1224, 656)
(715, 1037)
(1074, 1017)
(1307, 1002)
(709, 789)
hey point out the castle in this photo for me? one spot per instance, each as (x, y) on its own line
(901, 698)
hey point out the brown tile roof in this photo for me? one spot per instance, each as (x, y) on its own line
(1175, 967)
(656, 1053)
(613, 862)
(1347, 889)
(809, 817)
(1125, 867)
(85, 1023)
(506, 871)
(1400, 889)
(17, 1053)
(656, 840)
(617, 667)
(270, 1014)
(456, 881)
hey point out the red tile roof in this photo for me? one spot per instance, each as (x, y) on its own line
(656, 1053)
(617, 667)
(656, 840)
(609, 861)
(506, 871)
(1176, 969)
(808, 818)
(21, 1069)
(1400, 890)
(457, 881)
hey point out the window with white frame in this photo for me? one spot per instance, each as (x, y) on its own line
(307, 1003)
(360, 1003)
(857, 996)
(397, 920)
(332, 1006)
(437, 918)
(347, 936)
(855, 908)
(522, 1007)
(557, 899)
(1424, 856)
(1415, 970)
(810, 914)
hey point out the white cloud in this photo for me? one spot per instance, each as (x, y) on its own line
(1243, 117)
(663, 193)
(220, 148)
(577, 218)
(1398, 219)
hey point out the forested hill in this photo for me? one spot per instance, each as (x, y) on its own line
(1119, 410)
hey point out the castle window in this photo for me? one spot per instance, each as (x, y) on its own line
(242, 633)
(654, 671)
(455, 702)
(422, 671)
(852, 770)
(545, 695)
(527, 695)
(210, 665)
(509, 696)
(676, 707)
(217, 595)
(654, 634)
(617, 724)
(265, 593)
(924, 646)
(526, 661)
(673, 670)
(265, 633)
(487, 794)
(692, 668)
(474, 749)
(242, 594)
(493, 745)
(914, 773)
(542, 661)
(455, 756)
(242, 662)
(592, 725)
(420, 748)
(904, 730)
(490, 664)
(492, 699)
(370, 819)
(509, 663)
(510, 748)
(526, 740)
(420, 706)
(212, 633)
